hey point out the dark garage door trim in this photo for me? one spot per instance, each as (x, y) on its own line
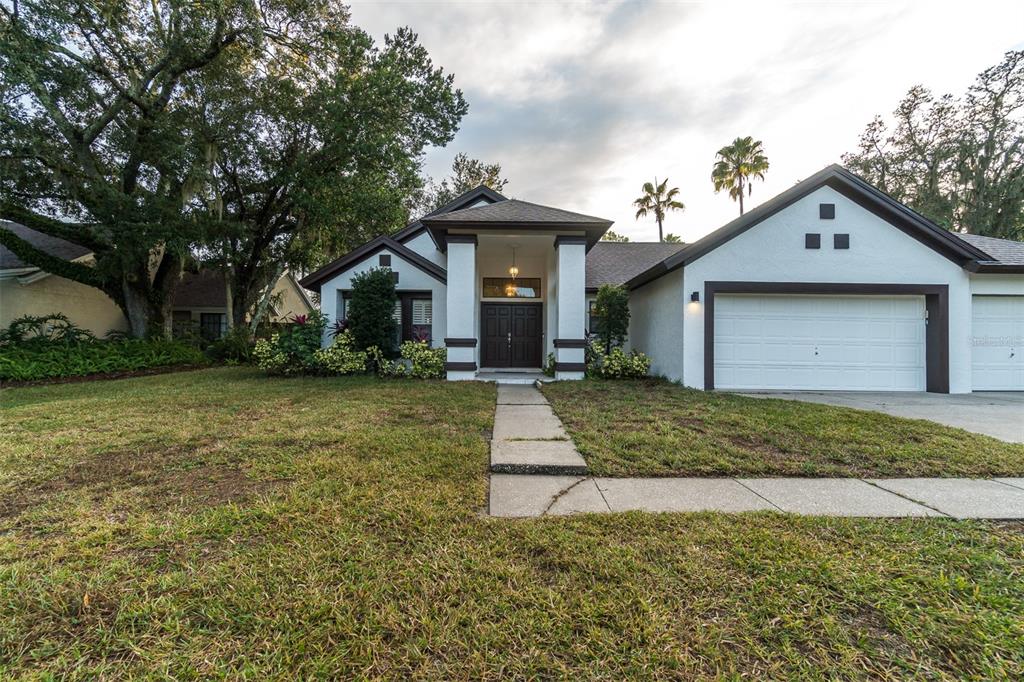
(936, 301)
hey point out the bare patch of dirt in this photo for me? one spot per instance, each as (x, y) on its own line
(154, 476)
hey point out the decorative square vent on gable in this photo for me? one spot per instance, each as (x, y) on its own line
(812, 240)
(841, 241)
(385, 260)
(827, 211)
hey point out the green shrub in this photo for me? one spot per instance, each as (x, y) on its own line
(35, 361)
(611, 310)
(234, 347)
(549, 366)
(617, 364)
(341, 357)
(44, 329)
(371, 311)
(292, 350)
(427, 362)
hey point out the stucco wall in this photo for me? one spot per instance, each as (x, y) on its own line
(423, 244)
(291, 302)
(773, 251)
(85, 306)
(656, 324)
(1002, 285)
(410, 278)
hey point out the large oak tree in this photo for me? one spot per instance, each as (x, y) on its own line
(250, 135)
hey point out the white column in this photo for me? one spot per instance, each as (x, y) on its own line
(461, 336)
(572, 306)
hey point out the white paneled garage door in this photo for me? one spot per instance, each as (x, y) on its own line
(997, 348)
(831, 343)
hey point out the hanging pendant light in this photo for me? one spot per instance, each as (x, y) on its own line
(514, 270)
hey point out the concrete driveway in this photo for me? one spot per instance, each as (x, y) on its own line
(1000, 415)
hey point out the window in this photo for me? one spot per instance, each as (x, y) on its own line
(506, 287)
(827, 211)
(841, 241)
(422, 319)
(593, 322)
(394, 277)
(181, 323)
(342, 311)
(812, 240)
(212, 326)
(413, 313)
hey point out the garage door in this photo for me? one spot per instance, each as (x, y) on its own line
(997, 349)
(837, 343)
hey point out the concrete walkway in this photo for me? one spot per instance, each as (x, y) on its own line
(961, 498)
(537, 471)
(528, 438)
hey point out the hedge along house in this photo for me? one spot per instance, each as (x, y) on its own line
(499, 282)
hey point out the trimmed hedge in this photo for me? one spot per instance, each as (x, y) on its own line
(38, 361)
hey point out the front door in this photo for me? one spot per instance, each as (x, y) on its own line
(510, 335)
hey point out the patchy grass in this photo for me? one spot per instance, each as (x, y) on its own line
(656, 428)
(220, 524)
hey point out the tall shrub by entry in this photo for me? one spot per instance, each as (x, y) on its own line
(612, 312)
(371, 310)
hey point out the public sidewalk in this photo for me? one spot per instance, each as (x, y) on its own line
(537, 471)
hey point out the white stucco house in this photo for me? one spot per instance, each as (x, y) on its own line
(831, 285)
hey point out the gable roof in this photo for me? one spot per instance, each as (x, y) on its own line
(370, 248)
(616, 263)
(54, 246)
(515, 214)
(849, 185)
(464, 200)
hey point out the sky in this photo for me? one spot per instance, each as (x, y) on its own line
(581, 103)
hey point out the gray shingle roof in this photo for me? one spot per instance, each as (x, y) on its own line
(54, 246)
(618, 262)
(1003, 250)
(515, 211)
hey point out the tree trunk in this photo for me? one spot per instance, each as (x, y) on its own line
(136, 309)
(229, 301)
(741, 195)
(261, 308)
(661, 237)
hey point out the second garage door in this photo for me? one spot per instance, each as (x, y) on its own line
(997, 353)
(832, 343)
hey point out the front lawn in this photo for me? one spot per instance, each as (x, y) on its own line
(221, 524)
(656, 428)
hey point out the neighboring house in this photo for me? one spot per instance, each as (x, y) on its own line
(200, 303)
(832, 285)
(199, 300)
(27, 290)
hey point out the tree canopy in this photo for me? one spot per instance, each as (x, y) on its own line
(250, 135)
(959, 161)
(467, 173)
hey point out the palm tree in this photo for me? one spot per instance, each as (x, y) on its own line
(659, 200)
(737, 163)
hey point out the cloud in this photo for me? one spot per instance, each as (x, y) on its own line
(581, 103)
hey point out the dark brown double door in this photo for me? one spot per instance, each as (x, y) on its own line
(510, 334)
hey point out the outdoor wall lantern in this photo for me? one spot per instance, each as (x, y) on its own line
(695, 297)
